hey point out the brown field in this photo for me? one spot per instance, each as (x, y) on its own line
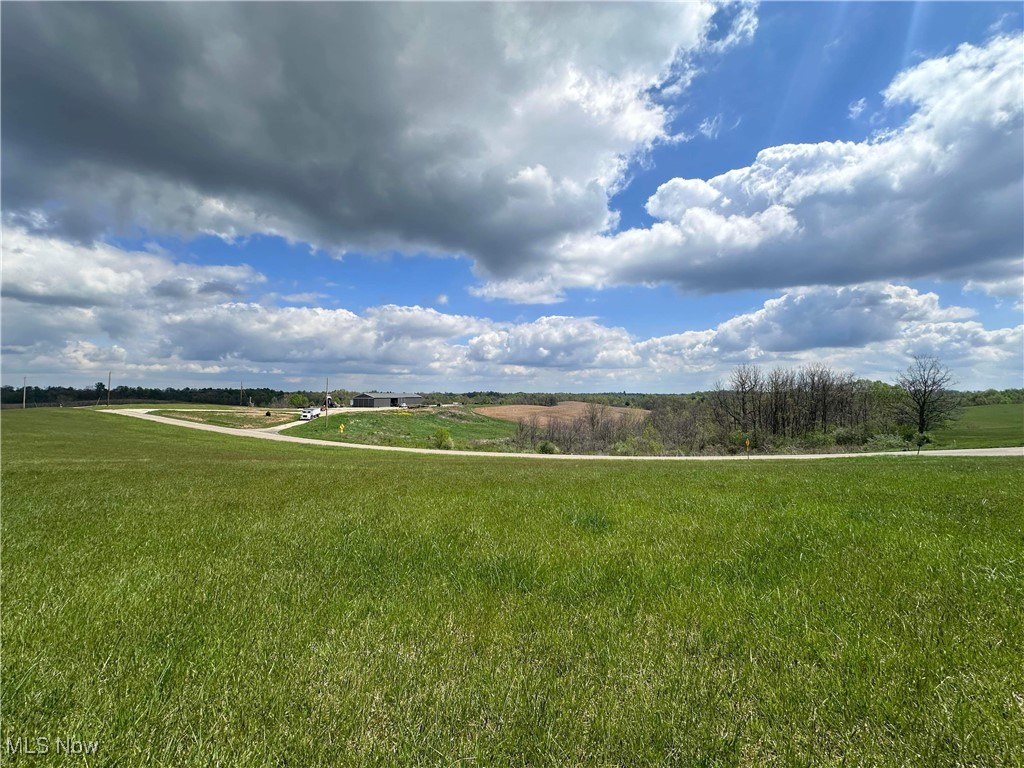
(565, 411)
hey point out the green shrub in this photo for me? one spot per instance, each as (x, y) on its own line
(638, 446)
(818, 440)
(849, 436)
(780, 444)
(546, 446)
(908, 432)
(738, 441)
(443, 439)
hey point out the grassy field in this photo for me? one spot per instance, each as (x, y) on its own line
(983, 426)
(412, 429)
(188, 598)
(248, 418)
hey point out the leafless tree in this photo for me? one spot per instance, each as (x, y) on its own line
(927, 383)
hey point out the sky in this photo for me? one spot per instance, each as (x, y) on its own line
(511, 196)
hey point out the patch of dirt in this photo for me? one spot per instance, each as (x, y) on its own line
(565, 411)
(233, 419)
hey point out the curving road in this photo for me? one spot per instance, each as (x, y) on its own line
(273, 433)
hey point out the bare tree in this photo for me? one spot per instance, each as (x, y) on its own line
(927, 383)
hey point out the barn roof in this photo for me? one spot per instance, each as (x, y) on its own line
(389, 395)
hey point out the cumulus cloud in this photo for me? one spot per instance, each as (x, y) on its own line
(556, 342)
(56, 293)
(492, 130)
(854, 317)
(51, 271)
(938, 197)
(76, 310)
(545, 290)
(388, 338)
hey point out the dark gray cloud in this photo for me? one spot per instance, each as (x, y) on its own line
(487, 129)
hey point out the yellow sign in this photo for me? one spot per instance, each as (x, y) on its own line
(748, 443)
(341, 427)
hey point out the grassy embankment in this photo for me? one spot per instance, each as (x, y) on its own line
(189, 598)
(412, 429)
(983, 426)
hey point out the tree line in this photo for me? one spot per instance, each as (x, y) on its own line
(813, 407)
(71, 396)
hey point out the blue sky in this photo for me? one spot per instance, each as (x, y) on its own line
(562, 197)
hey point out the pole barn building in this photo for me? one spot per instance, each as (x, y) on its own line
(386, 400)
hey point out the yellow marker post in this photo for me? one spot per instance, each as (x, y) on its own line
(748, 447)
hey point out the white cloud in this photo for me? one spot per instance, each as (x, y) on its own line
(856, 108)
(51, 271)
(711, 126)
(1011, 287)
(57, 293)
(178, 336)
(678, 195)
(816, 318)
(542, 291)
(556, 342)
(939, 197)
(1000, 24)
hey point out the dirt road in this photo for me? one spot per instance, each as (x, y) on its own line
(273, 433)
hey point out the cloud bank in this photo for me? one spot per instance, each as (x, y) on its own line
(85, 309)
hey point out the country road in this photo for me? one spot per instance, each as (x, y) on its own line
(273, 433)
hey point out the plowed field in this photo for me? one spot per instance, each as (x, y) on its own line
(565, 411)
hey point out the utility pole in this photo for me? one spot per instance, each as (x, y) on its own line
(327, 390)
(24, 389)
(108, 388)
(241, 385)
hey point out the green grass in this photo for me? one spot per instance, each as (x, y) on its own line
(983, 426)
(189, 598)
(250, 418)
(412, 429)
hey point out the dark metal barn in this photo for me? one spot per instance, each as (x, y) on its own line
(386, 400)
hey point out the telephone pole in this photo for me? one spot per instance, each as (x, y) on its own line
(241, 385)
(24, 389)
(108, 388)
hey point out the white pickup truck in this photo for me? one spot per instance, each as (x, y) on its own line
(311, 413)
